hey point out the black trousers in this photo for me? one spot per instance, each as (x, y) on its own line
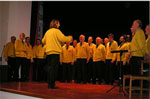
(98, 71)
(41, 74)
(20, 62)
(90, 70)
(11, 68)
(81, 70)
(27, 68)
(135, 68)
(34, 70)
(52, 67)
(67, 72)
(109, 72)
(135, 65)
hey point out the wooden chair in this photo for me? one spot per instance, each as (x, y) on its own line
(141, 78)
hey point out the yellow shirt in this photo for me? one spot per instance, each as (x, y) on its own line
(52, 41)
(9, 50)
(113, 47)
(99, 53)
(67, 56)
(128, 46)
(124, 54)
(19, 48)
(40, 52)
(75, 58)
(138, 44)
(34, 51)
(91, 46)
(148, 45)
(83, 51)
(29, 54)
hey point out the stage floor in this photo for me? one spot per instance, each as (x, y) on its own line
(65, 90)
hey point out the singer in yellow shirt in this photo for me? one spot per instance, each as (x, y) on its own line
(137, 45)
(52, 45)
(99, 55)
(147, 30)
(83, 56)
(90, 63)
(112, 45)
(20, 51)
(67, 61)
(10, 58)
(29, 57)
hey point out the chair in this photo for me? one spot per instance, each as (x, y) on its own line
(141, 78)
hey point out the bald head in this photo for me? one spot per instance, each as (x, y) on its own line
(98, 40)
(22, 36)
(90, 39)
(82, 38)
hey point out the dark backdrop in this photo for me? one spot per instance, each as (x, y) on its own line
(97, 18)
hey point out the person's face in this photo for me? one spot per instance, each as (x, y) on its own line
(27, 40)
(58, 25)
(121, 39)
(105, 41)
(147, 30)
(135, 25)
(81, 38)
(13, 39)
(110, 38)
(67, 43)
(90, 40)
(38, 42)
(132, 31)
(22, 36)
(98, 40)
(74, 42)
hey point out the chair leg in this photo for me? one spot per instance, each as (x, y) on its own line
(141, 89)
(123, 84)
(130, 88)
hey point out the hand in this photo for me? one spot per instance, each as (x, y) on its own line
(25, 50)
(6, 59)
(31, 60)
(87, 61)
(124, 63)
(112, 61)
(72, 63)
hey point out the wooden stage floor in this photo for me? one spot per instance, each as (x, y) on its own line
(65, 90)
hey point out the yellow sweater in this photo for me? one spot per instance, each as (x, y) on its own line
(75, 58)
(29, 54)
(19, 48)
(99, 53)
(148, 45)
(9, 50)
(34, 51)
(91, 46)
(125, 46)
(113, 47)
(138, 44)
(52, 41)
(40, 52)
(67, 56)
(128, 46)
(83, 52)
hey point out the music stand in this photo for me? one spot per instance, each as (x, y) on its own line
(120, 86)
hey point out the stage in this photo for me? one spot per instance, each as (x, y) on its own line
(65, 90)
